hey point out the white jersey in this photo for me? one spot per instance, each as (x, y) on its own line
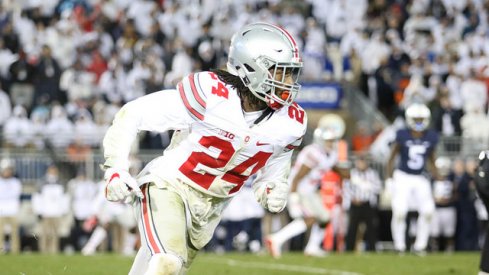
(214, 149)
(319, 161)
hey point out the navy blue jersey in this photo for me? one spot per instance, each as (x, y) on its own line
(414, 151)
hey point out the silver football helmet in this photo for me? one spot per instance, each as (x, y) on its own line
(330, 129)
(418, 117)
(258, 53)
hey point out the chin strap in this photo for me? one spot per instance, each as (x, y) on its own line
(268, 112)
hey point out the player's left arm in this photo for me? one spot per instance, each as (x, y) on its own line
(271, 185)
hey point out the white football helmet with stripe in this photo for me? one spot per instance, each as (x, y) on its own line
(418, 117)
(330, 127)
(257, 53)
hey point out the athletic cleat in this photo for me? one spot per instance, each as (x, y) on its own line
(273, 248)
(318, 253)
(420, 253)
(400, 252)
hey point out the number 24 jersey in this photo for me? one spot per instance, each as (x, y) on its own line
(214, 149)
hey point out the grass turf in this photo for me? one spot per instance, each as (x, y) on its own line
(234, 263)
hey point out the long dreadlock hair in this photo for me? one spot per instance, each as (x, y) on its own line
(236, 83)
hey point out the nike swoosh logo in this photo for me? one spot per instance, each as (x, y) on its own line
(261, 143)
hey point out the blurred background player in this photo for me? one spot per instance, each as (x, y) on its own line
(10, 191)
(114, 219)
(482, 185)
(445, 216)
(242, 220)
(305, 204)
(415, 146)
(111, 219)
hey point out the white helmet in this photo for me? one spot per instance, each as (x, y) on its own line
(444, 165)
(418, 117)
(257, 52)
(6, 163)
(330, 127)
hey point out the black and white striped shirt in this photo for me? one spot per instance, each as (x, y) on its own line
(363, 186)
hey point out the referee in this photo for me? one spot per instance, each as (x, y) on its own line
(360, 195)
(482, 185)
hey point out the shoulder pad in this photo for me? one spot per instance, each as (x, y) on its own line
(293, 124)
(196, 89)
(193, 96)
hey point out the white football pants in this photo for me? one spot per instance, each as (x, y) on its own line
(415, 191)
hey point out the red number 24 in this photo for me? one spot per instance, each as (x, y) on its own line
(220, 90)
(296, 112)
(234, 176)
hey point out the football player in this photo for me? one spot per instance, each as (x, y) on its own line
(230, 124)
(305, 204)
(415, 146)
(445, 216)
(482, 185)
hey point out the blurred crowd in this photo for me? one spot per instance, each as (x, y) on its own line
(62, 215)
(67, 66)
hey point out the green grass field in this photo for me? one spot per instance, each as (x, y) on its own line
(291, 263)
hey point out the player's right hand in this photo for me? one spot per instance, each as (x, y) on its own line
(294, 206)
(120, 185)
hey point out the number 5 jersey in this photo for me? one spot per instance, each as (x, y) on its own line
(415, 151)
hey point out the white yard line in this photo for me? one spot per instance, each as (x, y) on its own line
(284, 267)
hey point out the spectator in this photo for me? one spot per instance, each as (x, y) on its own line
(21, 79)
(445, 216)
(97, 65)
(362, 138)
(5, 107)
(6, 59)
(64, 36)
(86, 130)
(114, 218)
(18, 130)
(78, 83)
(112, 83)
(182, 65)
(314, 55)
(466, 237)
(474, 94)
(39, 118)
(10, 191)
(59, 130)
(446, 119)
(475, 128)
(51, 203)
(48, 73)
(10, 37)
(82, 192)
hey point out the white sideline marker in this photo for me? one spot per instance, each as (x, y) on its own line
(284, 267)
